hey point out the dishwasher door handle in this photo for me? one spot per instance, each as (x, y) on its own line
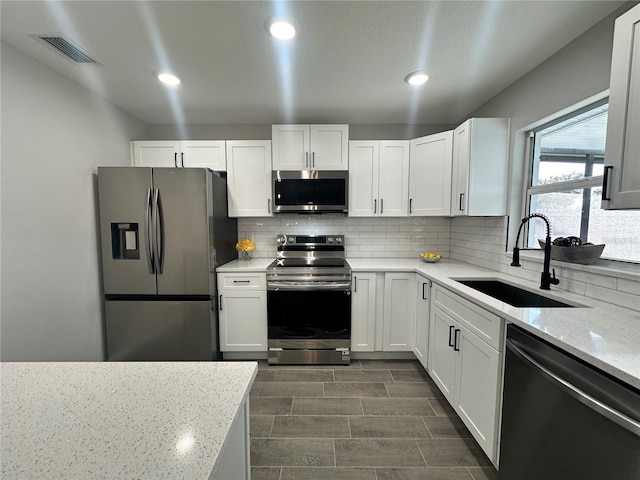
(573, 391)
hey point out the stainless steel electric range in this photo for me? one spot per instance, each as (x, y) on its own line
(309, 301)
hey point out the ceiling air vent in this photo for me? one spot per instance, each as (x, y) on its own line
(67, 48)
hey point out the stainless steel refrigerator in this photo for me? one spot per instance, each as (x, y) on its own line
(163, 233)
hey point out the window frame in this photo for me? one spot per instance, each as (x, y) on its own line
(533, 152)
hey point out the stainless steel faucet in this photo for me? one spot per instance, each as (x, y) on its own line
(546, 279)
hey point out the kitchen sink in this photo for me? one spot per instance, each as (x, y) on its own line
(514, 296)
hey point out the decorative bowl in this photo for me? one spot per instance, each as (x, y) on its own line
(583, 254)
(430, 259)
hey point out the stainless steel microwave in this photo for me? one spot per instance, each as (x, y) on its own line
(310, 191)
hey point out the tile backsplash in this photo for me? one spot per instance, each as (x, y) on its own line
(364, 237)
(479, 241)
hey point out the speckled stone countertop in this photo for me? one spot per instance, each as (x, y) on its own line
(155, 420)
(605, 335)
(239, 266)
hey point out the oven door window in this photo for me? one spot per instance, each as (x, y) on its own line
(314, 314)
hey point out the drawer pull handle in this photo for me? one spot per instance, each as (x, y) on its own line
(456, 337)
(451, 328)
(242, 281)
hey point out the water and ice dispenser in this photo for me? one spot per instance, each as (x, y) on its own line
(125, 241)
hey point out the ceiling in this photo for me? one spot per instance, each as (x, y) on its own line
(346, 64)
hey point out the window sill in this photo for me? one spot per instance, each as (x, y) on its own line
(612, 268)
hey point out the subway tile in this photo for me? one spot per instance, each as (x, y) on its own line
(628, 286)
(613, 296)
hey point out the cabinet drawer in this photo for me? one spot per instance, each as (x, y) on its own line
(482, 323)
(242, 281)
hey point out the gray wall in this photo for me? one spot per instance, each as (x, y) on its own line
(54, 135)
(577, 74)
(263, 132)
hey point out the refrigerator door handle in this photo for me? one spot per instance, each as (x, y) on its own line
(158, 228)
(148, 222)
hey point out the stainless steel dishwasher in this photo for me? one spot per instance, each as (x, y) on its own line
(563, 419)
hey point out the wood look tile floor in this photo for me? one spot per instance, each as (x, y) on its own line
(371, 420)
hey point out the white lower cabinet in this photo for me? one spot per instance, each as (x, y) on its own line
(399, 302)
(382, 312)
(421, 334)
(363, 311)
(242, 312)
(465, 367)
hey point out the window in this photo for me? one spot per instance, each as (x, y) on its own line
(567, 158)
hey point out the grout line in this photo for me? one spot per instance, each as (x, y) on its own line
(422, 454)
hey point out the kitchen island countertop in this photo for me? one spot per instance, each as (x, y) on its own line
(144, 420)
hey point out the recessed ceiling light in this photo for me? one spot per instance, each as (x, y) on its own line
(282, 30)
(416, 78)
(168, 79)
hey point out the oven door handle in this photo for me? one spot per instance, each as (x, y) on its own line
(289, 286)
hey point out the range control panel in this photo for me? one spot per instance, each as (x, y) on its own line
(310, 240)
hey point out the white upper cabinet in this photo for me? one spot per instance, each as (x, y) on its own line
(204, 153)
(310, 147)
(621, 189)
(173, 153)
(155, 153)
(249, 178)
(430, 175)
(479, 168)
(378, 178)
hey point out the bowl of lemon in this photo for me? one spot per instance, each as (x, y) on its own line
(430, 257)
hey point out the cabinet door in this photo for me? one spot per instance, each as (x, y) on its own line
(622, 168)
(155, 153)
(363, 178)
(249, 178)
(430, 175)
(243, 321)
(291, 147)
(442, 356)
(393, 183)
(363, 312)
(477, 389)
(421, 337)
(205, 154)
(399, 311)
(329, 147)
(460, 169)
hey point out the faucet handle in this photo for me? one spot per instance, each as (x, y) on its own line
(553, 280)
